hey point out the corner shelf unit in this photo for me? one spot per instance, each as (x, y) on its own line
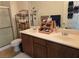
(22, 21)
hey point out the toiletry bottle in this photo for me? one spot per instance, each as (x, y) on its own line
(54, 26)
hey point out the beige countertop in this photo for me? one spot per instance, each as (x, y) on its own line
(71, 39)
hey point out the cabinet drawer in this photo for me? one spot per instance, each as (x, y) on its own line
(39, 41)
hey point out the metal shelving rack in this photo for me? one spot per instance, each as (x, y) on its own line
(22, 21)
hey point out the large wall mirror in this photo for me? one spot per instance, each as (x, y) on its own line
(73, 15)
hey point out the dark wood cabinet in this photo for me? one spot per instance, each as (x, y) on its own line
(39, 41)
(53, 50)
(40, 48)
(27, 44)
(69, 52)
(58, 51)
(39, 51)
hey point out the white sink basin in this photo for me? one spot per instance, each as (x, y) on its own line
(68, 37)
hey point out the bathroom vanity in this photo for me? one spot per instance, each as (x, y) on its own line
(52, 45)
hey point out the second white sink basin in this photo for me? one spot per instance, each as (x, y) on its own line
(68, 37)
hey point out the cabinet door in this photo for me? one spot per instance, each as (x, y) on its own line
(39, 51)
(53, 50)
(61, 51)
(69, 52)
(27, 44)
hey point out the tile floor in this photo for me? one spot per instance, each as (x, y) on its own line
(22, 55)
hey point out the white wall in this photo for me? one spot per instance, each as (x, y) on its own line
(14, 10)
(48, 8)
(22, 5)
(51, 8)
(65, 13)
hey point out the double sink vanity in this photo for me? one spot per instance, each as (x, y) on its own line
(53, 45)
